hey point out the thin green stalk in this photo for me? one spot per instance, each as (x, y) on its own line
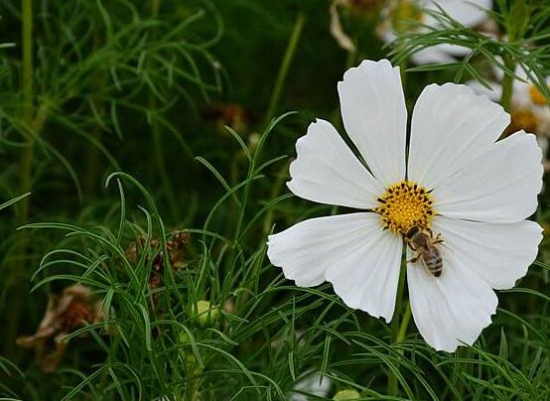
(396, 326)
(25, 173)
(276, 190)
(93, 166)
(287, 60)
(159, 157)
(403, 72)
(28, 96)
(158, 147)
(404, 323)
(155, 5)
(508, 84)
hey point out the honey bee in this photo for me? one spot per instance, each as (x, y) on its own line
(424, 244)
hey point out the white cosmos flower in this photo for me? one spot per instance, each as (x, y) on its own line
(400, 14)
(457, 180)
(529, 108)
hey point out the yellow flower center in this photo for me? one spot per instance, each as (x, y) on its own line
(523, 119)
(404, 15)
(405, 205)
(536, 96)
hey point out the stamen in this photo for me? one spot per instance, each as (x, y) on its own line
(405, 205)
(523, 119)
(536, 96)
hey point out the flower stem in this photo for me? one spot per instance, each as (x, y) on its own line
(398, 328)
(93, 156)
(404, 323)
(403, 72)
(28, 95)
(508, 84)
(287, 59)
(158, 147)
(25, 177)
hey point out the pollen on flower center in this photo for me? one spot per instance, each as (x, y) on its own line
(405, 205)
(523, 119)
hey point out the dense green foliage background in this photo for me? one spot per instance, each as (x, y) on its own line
(146, 88)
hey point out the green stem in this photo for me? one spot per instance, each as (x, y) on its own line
(287, 60)
(158, 147)
(396, 326)
(276, 190)
(93, 159)
(159, 157)
(155, 4)
(28, 95)
(25, 177)
(508, 84)
(403, 72)
(404, 323)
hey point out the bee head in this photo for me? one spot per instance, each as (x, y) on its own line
(414, 230)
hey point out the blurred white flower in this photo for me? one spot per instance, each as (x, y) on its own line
(529, 108)
(313, 384)
(399, 17)
(470, 191)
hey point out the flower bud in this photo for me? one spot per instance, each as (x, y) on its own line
(205, 313)
(346, 395)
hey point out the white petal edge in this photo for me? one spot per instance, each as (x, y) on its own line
(375, 117)
(500, 186)
(326, 171)
(500, 254)
(452, 309)
(451, 126)
(351, 251)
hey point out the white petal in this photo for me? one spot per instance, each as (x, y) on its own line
(467, 12)
(351, 251)
(367, 278)
(451, 126)
(500, 186)
(450, 309)
(498, 253)
(375, 117)
(327, 171)
(306, 250)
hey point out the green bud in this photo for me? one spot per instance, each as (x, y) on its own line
(346, 395)
(184, 338)
(205, 313)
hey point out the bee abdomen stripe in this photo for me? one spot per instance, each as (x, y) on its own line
(435, 265)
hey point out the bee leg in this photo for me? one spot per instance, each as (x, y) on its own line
(438, 239)
(413, 260)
